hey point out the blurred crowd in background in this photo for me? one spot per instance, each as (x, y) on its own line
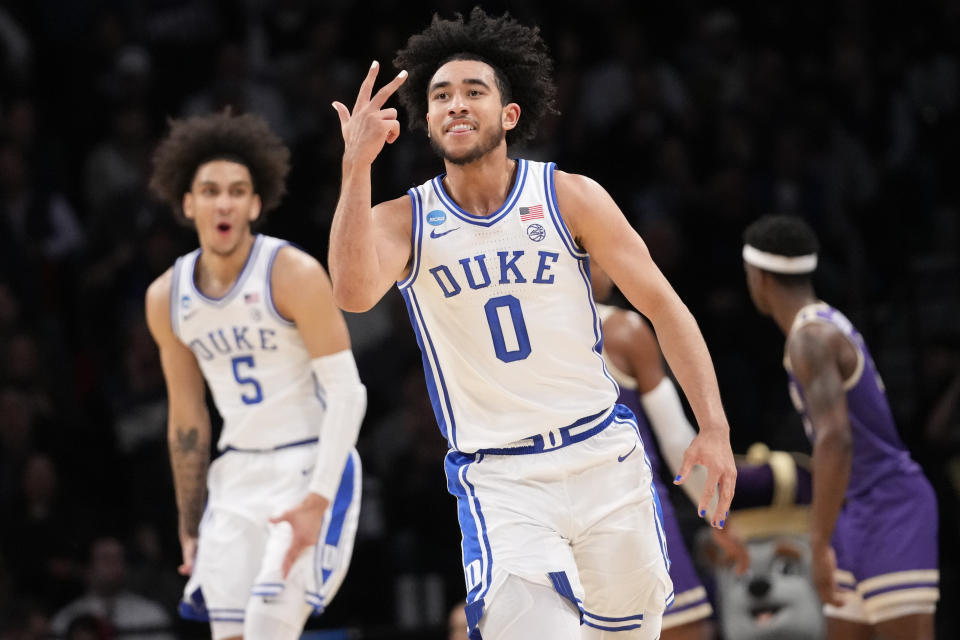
(696, 118)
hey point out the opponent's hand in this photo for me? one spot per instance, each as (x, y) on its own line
(369, 125)
(824, 567)
(306, 520)
(711, 449)
(188, 546)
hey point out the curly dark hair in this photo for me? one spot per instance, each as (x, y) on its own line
(193, 141)
(520, 59)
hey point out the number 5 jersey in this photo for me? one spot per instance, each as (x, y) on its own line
(252, 358)
(503, 312)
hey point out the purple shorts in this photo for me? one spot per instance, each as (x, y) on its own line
(690, 598)
(886, 545)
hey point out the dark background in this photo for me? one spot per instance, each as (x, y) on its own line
(696, 117)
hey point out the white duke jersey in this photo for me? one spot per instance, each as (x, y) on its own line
(503, 311)
(253, 359)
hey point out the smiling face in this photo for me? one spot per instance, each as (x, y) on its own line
(222, 204)
(466, 117)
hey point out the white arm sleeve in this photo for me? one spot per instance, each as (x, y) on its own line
(674, 433)
(345, 397)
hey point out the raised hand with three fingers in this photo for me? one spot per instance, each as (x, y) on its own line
(369, 125)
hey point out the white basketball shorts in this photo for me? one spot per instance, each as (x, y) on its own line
(240, 553)
(583, 518)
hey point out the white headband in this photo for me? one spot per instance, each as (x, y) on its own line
(779, 264)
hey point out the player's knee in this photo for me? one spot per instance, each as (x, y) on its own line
(262, 627)
(697, 630)
(914, 626)
(279, 618)
(522, 609)
(226, 630)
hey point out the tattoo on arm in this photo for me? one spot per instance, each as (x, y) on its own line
(189, 458)
(187, 440)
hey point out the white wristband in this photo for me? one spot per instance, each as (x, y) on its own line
(345, 397)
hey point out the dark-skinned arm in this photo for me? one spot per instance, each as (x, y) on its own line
(815, 351)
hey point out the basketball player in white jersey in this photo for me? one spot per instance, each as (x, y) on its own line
(254, 318)
(562, 537)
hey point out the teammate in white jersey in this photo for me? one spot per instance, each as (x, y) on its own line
(562, 537)
(255, 318)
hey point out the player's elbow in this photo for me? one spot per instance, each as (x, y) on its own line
(352, 298)
(836, 440)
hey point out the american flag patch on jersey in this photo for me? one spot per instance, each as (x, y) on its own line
(531, 213)
(251, 298)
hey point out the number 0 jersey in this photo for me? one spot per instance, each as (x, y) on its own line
(252, 358)
(503, 311)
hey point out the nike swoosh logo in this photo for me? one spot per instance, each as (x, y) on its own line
(306, 471)
(626, 455)
(434, 234)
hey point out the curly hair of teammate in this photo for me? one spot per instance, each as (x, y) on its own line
(193, 141)
(520, 59)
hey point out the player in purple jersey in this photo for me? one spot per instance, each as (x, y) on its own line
(633, 358)
(874, 515)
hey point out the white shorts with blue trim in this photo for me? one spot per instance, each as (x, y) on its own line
(239, 556)
(582, 518)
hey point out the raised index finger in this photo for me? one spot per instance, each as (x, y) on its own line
(388, 89)
(366, 87)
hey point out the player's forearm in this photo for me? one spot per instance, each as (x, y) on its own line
(832, 454)
(339, 384)
(189, 458)
(673, 432)
(353, 260)
(686, 353)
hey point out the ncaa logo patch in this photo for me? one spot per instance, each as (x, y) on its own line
(436, 218)
(185, 302)
(536, 232)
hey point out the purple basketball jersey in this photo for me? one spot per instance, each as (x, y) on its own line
(877, 449)
(886, 534)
